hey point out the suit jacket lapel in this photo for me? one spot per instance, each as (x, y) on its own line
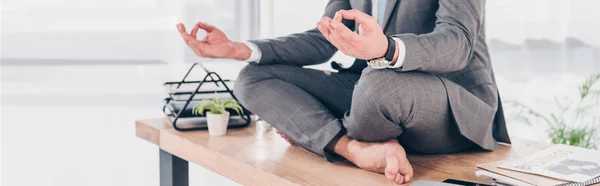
(391, 5)
(367, 6)
(364, 6)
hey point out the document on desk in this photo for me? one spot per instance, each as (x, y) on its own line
(561, 162)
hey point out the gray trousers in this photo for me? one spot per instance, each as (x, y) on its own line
(312, 107)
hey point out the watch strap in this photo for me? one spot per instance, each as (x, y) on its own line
(389, 55)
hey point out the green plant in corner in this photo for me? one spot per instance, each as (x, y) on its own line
(217, 106)
(575, 123)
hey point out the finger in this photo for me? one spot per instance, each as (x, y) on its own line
(323, 29)
(206, 27)
(347, 34)
(337, 17)
(194, 31)
(392, 167)
(188, 38)
(341, 42)
(322, 26)
(326, 20)
(399, 179)
(181, 28)
(360, 17)
(344, 31)
(337, 45)
(194, 44)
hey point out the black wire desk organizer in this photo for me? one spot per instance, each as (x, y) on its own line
(179, 103)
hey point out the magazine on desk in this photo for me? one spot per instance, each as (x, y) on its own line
(561, 162)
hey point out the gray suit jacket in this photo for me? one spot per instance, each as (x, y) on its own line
(445, 38)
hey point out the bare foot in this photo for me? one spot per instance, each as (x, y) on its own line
(388, 158)
(285, 137)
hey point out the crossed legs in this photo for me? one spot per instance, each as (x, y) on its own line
(365, 120)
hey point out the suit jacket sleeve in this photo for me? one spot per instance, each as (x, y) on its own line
(307, 48)
(449, 46)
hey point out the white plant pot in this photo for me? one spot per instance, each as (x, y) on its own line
(217, 123)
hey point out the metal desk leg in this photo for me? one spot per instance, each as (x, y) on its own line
(173, 170)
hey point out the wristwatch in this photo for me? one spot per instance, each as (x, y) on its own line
(386, 60)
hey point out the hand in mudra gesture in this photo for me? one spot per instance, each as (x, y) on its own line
(215, 44)
(370, 43)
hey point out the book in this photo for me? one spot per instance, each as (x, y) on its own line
(510, 175)
(501, 176)
(561, 162)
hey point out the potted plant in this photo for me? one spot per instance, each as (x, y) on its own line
(217, 115)
(575, 123)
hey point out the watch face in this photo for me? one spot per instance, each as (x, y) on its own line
(379, 63)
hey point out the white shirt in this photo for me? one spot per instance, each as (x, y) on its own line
(256, 53)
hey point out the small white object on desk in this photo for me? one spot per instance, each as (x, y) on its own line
(217, 123)
(262, 125)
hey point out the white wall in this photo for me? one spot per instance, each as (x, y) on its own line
(144, 29)
(517, 20)
(107, 29)
(88, 29)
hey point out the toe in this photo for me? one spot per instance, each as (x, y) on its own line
(407, 171)
(392, 167)
(407, 177)
(399, 179)
(390, 177)
(405, 168)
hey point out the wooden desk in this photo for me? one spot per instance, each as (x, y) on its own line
(263, 158)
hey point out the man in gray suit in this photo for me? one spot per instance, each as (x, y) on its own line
(422, 82)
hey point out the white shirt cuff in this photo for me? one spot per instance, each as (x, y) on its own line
(402, 53)
(255, 55)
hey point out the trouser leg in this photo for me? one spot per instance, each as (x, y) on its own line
(410, 106)
(304, 104)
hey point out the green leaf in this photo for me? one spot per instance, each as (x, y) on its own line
(560, 106)
(217, 106)
(584, 89)
(234, 105)
(583, 137)
(526, 113)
